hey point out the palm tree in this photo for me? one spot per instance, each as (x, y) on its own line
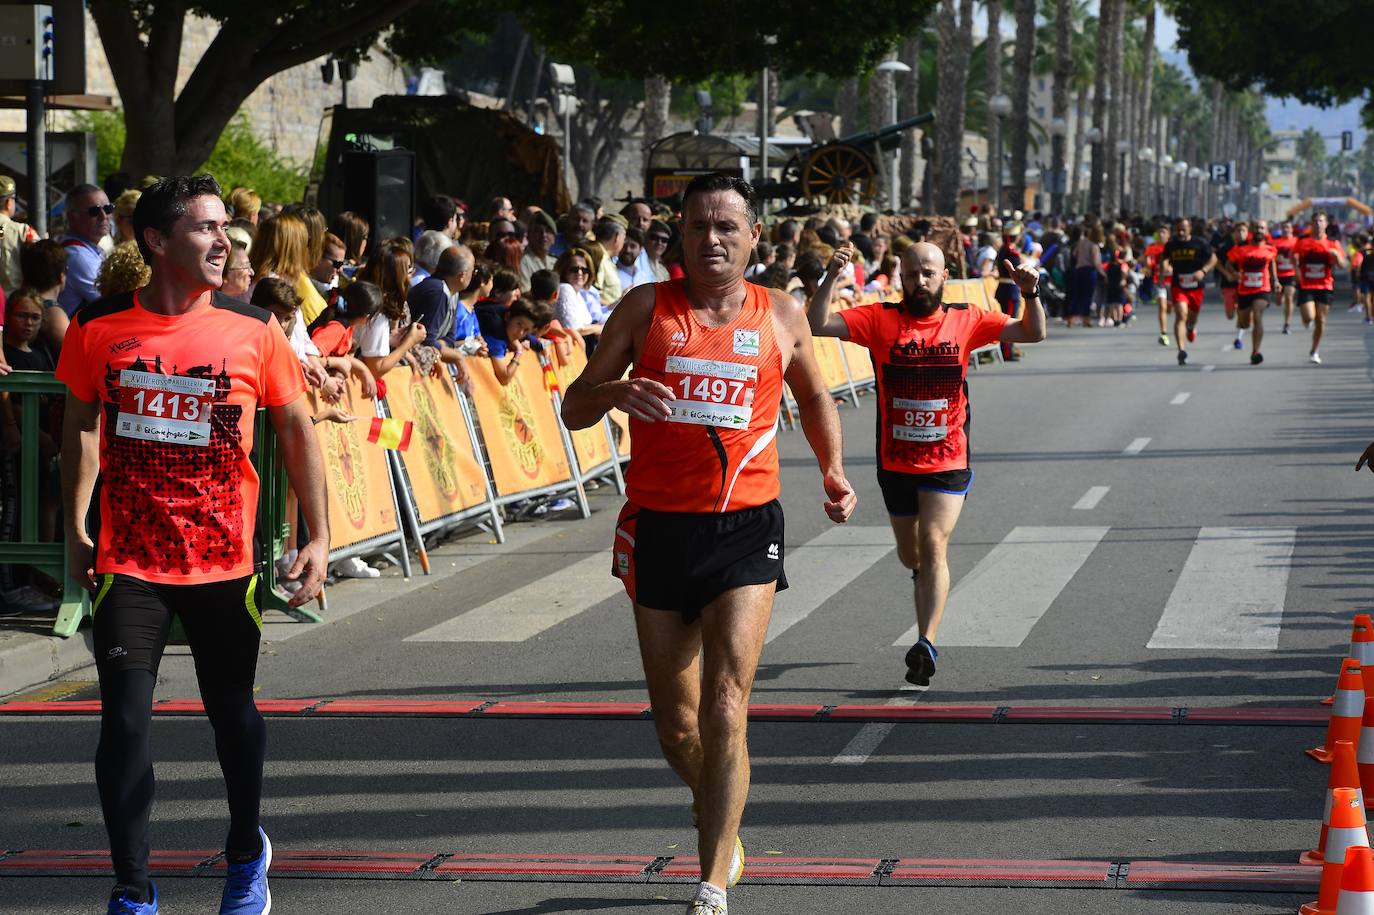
(1147, 70)
(952, 62)
(1101, 86)
(992, 85)
(1311, 152)
(1084, 75)
(1023, 59)
(1059, 105)
(658, 95)
(1116, 113)
(909, 106)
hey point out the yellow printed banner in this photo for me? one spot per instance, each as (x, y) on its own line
(590, 444)
(445, 474)
(519, 428)
(356, 478)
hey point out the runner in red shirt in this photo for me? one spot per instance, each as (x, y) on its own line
(1287, 270)
(921, 349)
(1316, 257)
(1252, 263)
(1154, 255)
(165, 385)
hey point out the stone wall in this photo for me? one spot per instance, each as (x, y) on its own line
(285, 110)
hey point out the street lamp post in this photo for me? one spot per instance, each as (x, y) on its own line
(564, 82)
(1122, 148)
(1146, 155)
(1180, 171)
(894, 67)
(1059, 129)
(1094, 137)
(1196, 190)
(1166, 165)
(999, 106)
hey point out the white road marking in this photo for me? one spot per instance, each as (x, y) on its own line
(1180, 398)
(998, 603)
(1230, 594)
(1209, 368)
(871, 735)
(525, 612)
(1136, 446)
(818, 569)
(1090, 498)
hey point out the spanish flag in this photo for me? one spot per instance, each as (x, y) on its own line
(390, 433)
(551, 379)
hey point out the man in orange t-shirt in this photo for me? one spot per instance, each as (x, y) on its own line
(1252, 263)
(1316, 258)
(920, 349)
(1287, 268)
(164, 387)
(1153, 255)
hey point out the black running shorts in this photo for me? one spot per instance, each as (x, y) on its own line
(1320, 296)
(1290, 281)
(682, 561)
(1245, 301)
(222, 620)
(901, 490)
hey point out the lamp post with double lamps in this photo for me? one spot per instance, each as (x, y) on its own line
(1059, 176)
(1146, 155)
(999, 106)
(890, 69)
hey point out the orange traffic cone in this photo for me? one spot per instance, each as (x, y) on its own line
(1344, 774)
(1357, 883)
(1347, 830)
(1346, 713)
(1364, 757)
(1362, 650)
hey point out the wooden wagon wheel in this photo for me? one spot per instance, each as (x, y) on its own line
(792, 174)
(837, 174)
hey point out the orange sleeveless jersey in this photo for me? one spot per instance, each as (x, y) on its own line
(717, 452)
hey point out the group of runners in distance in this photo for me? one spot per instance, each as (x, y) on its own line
(1254, 266)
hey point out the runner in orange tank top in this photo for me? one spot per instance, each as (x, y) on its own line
(702, 533)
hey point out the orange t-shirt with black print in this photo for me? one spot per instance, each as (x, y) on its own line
(177, 493)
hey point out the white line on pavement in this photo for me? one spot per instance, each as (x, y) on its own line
(1230, 594)
(1209, 368)
(1136, 446)
(525, 612)
(818, 569)
(1180, 398)
(871, 735)
(1091, 498)
(998, 603)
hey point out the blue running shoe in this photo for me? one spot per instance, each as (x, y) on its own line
(245, 889)
(121, 904)
(920, 663)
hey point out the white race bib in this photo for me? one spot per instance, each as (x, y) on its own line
(1187, 281)
(920, 420)
(711, 392)
(1252, 280)
(165, 408)
(1314, 271)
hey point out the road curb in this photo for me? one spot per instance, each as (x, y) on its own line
(29, 662)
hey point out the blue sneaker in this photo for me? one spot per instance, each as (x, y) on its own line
(121, 904)
(245, 889)
(920, 663)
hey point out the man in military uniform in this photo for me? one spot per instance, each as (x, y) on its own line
(12, 235)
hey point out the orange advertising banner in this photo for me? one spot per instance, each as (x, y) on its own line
(360, 504)
(590, 444)
(860, 363)
(830, 362)
(519, 428)
(620, 430)
(445, 476)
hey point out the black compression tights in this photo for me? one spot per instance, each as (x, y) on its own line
(124, 767)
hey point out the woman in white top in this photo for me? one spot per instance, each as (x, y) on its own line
(579, 306)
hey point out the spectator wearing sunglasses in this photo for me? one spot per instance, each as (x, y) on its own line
(656, 242)
(325, 274)
(579, 306)
(89, 214)
(540, 230)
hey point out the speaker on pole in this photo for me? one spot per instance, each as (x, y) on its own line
(379, 185)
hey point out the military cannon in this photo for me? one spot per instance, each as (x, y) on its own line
(843, 171)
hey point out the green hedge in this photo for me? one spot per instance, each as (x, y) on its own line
(240, 157)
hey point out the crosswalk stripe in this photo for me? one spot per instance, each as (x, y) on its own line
(1181, 398)
(1136, 446)
(998, 603)
(871, 736)
(1231, 591)
(525, 612)
(819, 568)
(1094, 495)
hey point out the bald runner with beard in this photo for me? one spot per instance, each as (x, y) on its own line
(920, 348)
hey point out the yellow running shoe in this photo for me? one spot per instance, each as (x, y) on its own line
(736, 859)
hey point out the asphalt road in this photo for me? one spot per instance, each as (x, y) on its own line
(1220, 567)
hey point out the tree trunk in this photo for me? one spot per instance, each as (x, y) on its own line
(599, 128)
(882, 92)
(906, 108)
(1101, 90)
(1147, 74)
(1080, 136)
(992, 85)
(1059, 104)
(848, 105)
(1023, 58)
(956, 41)
(1116, 112)
(658, 94)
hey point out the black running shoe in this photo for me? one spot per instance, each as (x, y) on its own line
(1183, 357)
(920, 663)
(1256, 358)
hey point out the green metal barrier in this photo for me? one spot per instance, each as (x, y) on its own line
(49, 558)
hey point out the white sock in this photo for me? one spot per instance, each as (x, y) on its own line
(710, 894)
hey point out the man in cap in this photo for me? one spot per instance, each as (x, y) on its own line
(12, 235)
(539, 235)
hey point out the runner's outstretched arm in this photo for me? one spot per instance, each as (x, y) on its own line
(300, 451)
(823, 323)
(1031, 327)
(819, 418)
(602, 385)
(80, 467)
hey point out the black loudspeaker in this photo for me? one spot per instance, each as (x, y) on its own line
(380, 187)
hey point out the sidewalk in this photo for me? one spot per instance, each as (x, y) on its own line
(30, 655)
